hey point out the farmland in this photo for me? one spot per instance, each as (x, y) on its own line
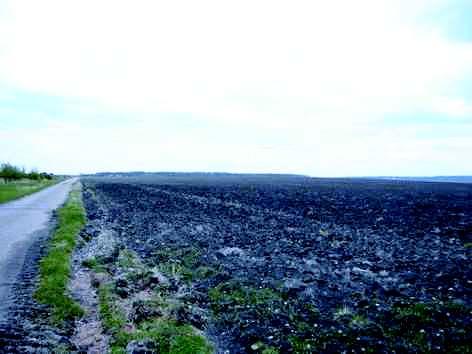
(282, 264)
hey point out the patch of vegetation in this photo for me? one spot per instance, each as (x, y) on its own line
(9, 173)
(182, 263)
(190, 257)
(187, 256)
(61, 349)
(354, 321)
(359, 321)
(331, 340)
(170, 337)
(300, 345)
(159, 330)
(55, 266)
(456, 308)
(94, 264)
(311, 311)
(204, 272)
(112, 318)
(176, 270)
(165, 334)
(406, 327)
(135, 271)
(343, 312)
(16, 182)
(18, 189)
(128, 259)
(425, 326)
(260, 347)
(420, 312)
(234, 293)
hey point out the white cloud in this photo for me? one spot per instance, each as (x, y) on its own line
(304, 77)
(452, 107)
(187, 55)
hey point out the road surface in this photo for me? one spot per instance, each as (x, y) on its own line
(22, 221)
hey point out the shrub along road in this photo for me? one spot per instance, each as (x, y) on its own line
(21, 222)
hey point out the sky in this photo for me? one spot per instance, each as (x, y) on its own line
(321, 88)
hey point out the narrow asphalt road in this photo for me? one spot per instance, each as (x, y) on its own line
(21, 223)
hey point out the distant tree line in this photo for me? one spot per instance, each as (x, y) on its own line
(10, 173)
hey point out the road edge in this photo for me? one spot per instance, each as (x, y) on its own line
(55, 266)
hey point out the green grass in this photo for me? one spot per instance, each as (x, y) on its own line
(359, 321)
(160, 330)
(55, 266)
(112, 318)
(180, 263)
(238, 294)
(95, 265)
(165, 334)
(18, 189)
(419, 312)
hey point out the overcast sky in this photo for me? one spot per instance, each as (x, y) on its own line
(324, 88)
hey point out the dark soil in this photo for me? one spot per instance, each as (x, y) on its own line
(301, 265)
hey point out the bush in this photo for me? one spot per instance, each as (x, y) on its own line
(10, 173)
(34, 176)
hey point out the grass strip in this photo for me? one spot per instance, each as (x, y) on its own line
(15, 190)
(55, 267)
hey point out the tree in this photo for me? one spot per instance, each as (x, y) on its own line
(34, 175)
(45, 175)
(10, 172)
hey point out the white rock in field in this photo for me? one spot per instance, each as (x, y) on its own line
(230, 251)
